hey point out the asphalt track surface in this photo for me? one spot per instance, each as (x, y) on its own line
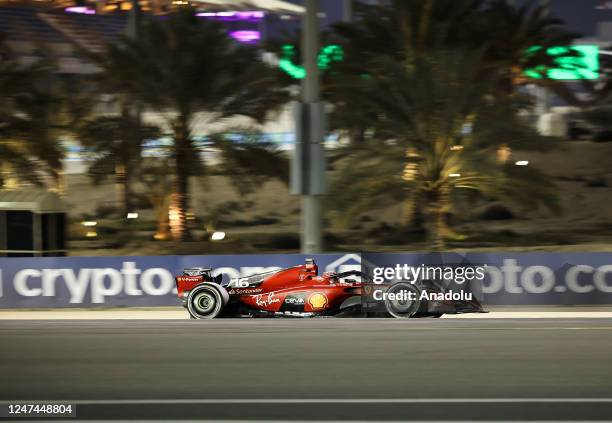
(313, 369)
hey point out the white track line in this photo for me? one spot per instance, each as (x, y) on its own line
(533, 315)
(119, 314)
(326, 421)
(180, 314)
(320, 401)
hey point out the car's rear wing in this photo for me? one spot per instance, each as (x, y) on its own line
(192, 277)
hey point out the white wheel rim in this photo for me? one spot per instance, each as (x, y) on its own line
(204, 302)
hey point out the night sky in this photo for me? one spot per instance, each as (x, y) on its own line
(580, 15)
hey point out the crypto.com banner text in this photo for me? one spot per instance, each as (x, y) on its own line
(527, 278)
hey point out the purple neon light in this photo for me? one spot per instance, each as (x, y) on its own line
(247, 37)
(254, 15)
(80, 9)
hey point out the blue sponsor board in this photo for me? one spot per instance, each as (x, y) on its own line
(529, 278)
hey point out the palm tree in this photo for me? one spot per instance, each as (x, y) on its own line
(519, 38)
(247, 162)
(438, 131)
(37, 126)
(31, 120)
(158, 179)
(251, 160)
(115, 142)
(430, 87)
(182, 66)
(405, 30)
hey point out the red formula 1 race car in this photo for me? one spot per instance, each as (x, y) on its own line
(300, 292)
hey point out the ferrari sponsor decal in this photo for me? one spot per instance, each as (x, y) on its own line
(294, 303)
(317, 301)
(265, 300)
(245, 291)
(189, 278)
(294, 300)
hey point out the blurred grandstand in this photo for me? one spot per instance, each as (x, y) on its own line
(52, 29)
(35, 33)
(60, 31)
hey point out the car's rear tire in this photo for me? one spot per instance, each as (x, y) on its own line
(403, 309)
(205, 302)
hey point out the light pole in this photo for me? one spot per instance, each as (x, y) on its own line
(308, 166)
(134, 20)
(133, 109)
(543, 97)
(347, 10)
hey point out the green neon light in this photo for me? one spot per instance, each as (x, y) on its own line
(286, 63)
(585, 65)
(328, 54)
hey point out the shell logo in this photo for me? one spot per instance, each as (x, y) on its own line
(317, 301)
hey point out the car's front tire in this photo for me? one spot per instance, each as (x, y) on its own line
(205, 302)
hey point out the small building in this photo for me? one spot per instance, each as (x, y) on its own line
(32, 223)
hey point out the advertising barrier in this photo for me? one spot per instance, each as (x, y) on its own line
(507, 279)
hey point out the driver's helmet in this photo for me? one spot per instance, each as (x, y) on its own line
(311, 265)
